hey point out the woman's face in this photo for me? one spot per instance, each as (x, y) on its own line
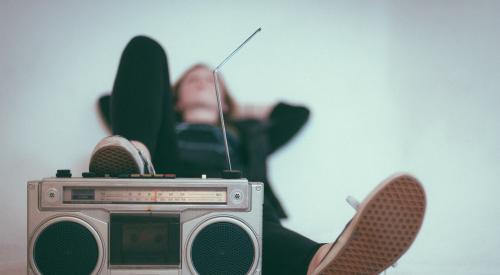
(197, 90)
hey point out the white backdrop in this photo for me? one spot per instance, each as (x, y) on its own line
(392, 85)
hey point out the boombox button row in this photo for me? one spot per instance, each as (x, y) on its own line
(149, 176)
(135, 176)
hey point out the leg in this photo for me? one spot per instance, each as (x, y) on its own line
(141, 102)
(383, 229)
(286, 252)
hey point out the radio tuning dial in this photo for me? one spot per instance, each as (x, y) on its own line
(52, 195)
(237, 196)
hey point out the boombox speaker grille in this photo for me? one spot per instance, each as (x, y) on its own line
(222, 248)
(65, 248)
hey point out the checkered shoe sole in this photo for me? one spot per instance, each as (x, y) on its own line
(113, 160)
(383, 229)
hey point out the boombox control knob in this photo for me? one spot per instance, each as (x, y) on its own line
(63, 173)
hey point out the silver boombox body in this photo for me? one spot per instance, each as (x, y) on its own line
(144, 226)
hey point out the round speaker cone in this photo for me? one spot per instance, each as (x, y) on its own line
(65, 248)
(222, 248)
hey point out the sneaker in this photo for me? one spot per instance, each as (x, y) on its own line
(115, 155)
(384, 227)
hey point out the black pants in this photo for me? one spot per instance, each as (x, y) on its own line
(142, 109)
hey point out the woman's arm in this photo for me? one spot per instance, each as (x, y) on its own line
(284, 122)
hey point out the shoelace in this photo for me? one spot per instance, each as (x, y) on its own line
(148, 167)
(355, 204)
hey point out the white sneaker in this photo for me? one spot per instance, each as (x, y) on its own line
(115, 155)
(384, 227)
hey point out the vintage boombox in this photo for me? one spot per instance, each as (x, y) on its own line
(144, 226)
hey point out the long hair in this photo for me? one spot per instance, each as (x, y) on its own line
(231, 104)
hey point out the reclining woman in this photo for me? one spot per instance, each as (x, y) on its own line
(161, 128)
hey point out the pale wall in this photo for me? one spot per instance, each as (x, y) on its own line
(393, 86)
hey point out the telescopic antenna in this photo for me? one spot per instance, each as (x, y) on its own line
(228, 173)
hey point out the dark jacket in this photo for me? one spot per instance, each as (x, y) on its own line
(260, 138)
